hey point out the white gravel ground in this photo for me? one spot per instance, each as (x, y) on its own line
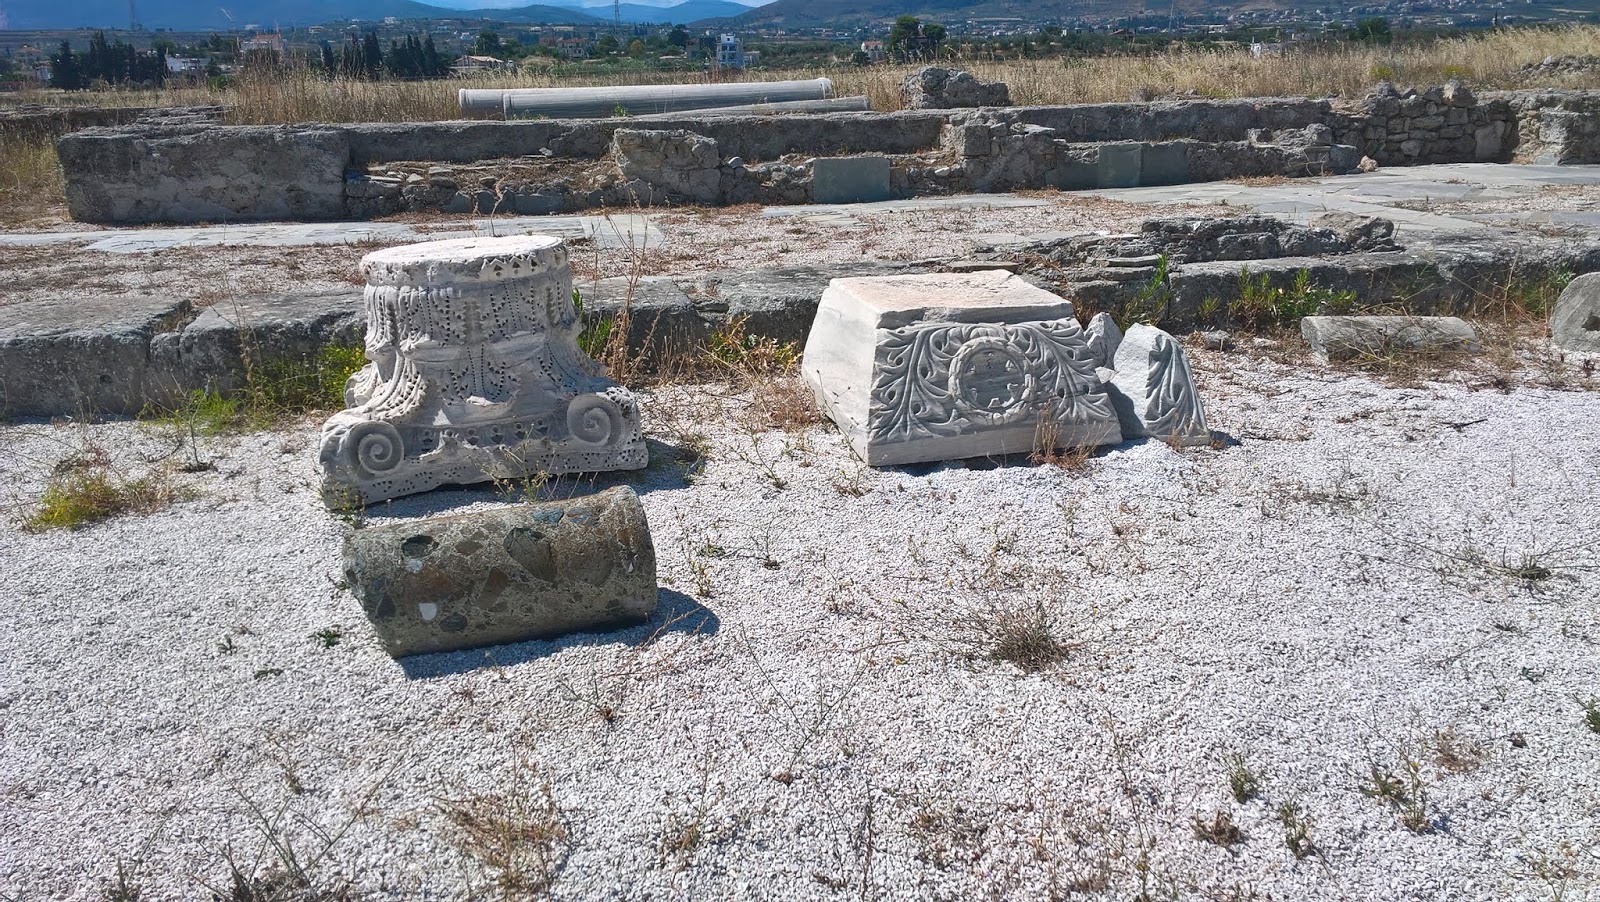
(813, 713)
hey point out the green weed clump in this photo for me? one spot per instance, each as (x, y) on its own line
(1263, 306)
(276, 390)
(80, 497)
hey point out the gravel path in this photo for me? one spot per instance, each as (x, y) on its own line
(816, 711)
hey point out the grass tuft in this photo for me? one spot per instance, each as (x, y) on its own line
(1243, 782)
(83, 495)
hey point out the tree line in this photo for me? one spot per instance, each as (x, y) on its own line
(364, 57)
(115, 64)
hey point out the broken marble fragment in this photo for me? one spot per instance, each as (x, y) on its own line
(946, 366)
(475, 374)
(1153, 389)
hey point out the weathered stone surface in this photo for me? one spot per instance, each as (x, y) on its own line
(677, 161)
(944, 366)
(1575, 323)
(202, 173)
(531, 571)
(1104, 338)
(81, 357)
(1355, 337)
(935, 87)
(849, 180)
(662, 320)
(475, 374)
(1153, 390)
(213, 351)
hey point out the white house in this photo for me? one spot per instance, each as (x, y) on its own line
(730, 52)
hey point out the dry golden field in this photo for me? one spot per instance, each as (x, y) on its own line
(1491, 60)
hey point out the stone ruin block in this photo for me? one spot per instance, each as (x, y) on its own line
(849, 180)
(475, 374)
(1575, 323)
(530, 571)
(1153, 389)
(1356, 337)
(676, 161)
(944, 366)
(935, 87)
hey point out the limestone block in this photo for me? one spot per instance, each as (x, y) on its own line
(676, 160)
(848, 180)
(1164, 164)
(530, 571)
(1153, 389)
(475, 373)
(265, 330)
(1121, 165)
(1575, 323)
(205, 173)
(1353, 337)
(82, 354)
(945, 366)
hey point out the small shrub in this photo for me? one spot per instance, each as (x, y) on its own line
(275, 390)
(83, 496)
(1023, 635)
(1262, 305)
(1151, 303)
(1220, 830)
(1243, 782)
(1591, 712)
(518, 834)
(1047, 450)
(1455, 754)
(748, 355)
(1408, 793)
(1296, 829)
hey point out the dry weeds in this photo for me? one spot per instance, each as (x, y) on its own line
(1489, 60)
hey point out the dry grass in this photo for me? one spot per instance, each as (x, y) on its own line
(1491, 60)
(31, 183)
(518, 835)
(87, 488)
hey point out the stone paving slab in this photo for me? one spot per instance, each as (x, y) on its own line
(1375, 193)
(845, 214)
(605, 231)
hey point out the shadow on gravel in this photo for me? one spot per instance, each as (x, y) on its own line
(675, 613)
(670, 468)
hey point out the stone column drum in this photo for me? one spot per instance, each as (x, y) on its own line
(527, 571)
(474, 374)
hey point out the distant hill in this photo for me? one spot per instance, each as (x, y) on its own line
(682, 13)
(812, 13)
(232, 14)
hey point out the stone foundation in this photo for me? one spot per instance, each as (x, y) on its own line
(198, 172)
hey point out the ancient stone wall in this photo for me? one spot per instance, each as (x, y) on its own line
(1440, 125)
(1557, 127)
(186, 173)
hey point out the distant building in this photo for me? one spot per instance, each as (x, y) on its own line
(257, 42)
(477, 65)
(874, 51)
(179, 65)
(730, 52)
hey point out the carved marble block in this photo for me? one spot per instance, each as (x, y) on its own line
(474, 374)
(1153, 389)
(946, 366)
